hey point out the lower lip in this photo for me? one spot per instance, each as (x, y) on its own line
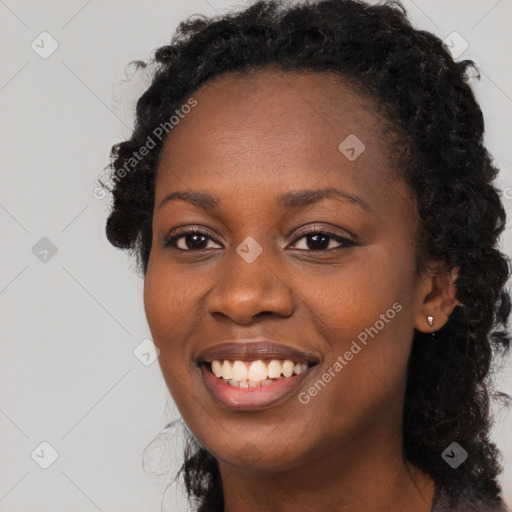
(249, 399)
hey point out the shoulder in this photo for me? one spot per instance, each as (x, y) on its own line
(464, 501)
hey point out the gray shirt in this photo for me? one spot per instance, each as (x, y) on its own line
(465, 502)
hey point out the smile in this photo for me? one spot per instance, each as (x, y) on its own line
(252, 385)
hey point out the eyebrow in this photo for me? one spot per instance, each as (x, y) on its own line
(289, 200)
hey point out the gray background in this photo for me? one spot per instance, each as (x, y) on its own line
(70, 324)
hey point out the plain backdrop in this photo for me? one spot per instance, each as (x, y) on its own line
(76, 395)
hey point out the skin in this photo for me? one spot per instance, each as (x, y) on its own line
(248, 140)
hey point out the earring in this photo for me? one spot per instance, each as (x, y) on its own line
(430, 320)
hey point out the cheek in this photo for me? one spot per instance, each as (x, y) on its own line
(169, 296)
(366, 317)
(346, 301)
(165, 306)
(166, 303)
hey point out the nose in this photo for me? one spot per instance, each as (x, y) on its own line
(248, 290)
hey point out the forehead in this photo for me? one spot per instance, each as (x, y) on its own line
(268, 124)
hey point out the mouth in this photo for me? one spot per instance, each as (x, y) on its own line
(250, 376)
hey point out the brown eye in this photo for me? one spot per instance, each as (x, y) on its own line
(321, 240)
(191, 240)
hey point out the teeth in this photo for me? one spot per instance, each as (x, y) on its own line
(251, 383)
(217, 368)
(274, 369)
(226, 370)
(288, 368)
(299, 368)
(239, 371)
(255, 373)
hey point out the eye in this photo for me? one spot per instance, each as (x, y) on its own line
(190, 240)
(316, 240)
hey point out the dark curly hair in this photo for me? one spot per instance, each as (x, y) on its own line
(409, 75)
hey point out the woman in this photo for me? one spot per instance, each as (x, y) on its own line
(312, 206)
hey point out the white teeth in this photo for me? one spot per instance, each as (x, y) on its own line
(255, 373)
(274, 369)
(299, 368)
(217, 368)
(258, 371)
(288, 368)
(250, 383)
(239, 371)
(226, 370)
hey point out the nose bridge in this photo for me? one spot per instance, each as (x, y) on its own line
(251, 284)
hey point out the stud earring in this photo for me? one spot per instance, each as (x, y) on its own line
(430, 320)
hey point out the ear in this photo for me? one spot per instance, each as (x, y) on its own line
(436, 299)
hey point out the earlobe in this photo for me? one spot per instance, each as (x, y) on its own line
(437, 300)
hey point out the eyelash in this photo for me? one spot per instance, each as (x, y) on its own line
(170, 241)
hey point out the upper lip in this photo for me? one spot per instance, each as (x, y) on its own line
(254, 350)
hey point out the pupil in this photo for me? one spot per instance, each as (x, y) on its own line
(319, 245)
(195, 244)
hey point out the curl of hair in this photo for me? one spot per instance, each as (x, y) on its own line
(426, 97)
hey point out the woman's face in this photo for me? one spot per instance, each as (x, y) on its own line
(253, 272)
